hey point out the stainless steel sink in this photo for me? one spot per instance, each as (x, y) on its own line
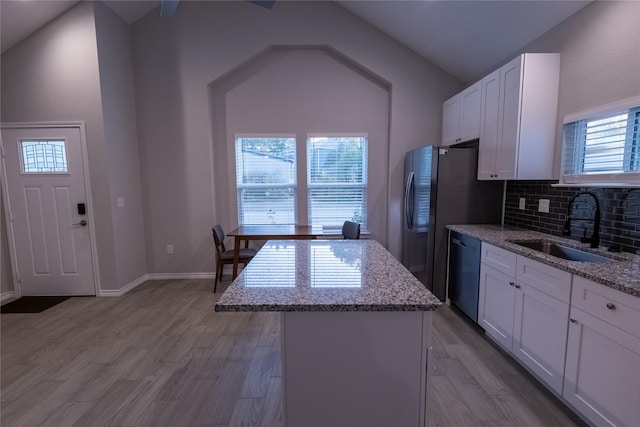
(561, 251)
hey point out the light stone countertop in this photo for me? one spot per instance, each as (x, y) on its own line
(621, 273)
(326, 275)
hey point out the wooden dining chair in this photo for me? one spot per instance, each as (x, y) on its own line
(224, 256)
(351, 230)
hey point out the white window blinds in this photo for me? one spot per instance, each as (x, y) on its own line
(337, 180)
(603, 148)
(266, 180)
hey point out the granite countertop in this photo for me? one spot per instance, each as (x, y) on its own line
(621, 273)
(326, 275)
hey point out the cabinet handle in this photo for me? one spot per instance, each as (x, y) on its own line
(572, 320)
(517, 286)
(511, 284)
(611, 306)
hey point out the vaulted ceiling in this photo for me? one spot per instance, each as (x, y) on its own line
(464, 38)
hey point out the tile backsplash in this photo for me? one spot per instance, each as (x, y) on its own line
(620, 209)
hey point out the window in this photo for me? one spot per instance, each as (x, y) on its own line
(43, 156)
(603, 148)
(266, 180)
(337, 180)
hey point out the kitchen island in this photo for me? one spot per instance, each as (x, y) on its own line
(355, 330)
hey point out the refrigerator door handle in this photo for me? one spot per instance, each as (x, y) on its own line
(408, 207)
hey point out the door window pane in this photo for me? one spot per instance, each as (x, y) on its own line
(43, 156)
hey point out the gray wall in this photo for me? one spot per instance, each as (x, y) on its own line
(121, 141)
(600, 47)
(174, 62)
(55, 75)
(285, 92)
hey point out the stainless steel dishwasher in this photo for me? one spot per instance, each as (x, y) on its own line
(464, 273)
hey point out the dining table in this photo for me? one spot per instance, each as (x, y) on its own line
(274, 231)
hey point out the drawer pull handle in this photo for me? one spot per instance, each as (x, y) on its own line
(611, 306)
(517, 286)
(511, 284)
(573, 320)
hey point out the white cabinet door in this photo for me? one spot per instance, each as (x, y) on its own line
(470, 100)
(540, 333)
(500, 121)
(518, 119)
(602, 372)
(451, 120)
(489, 126)
(509, 118)
(496, 304)
(461, 116)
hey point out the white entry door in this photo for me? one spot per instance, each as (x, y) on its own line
(49, 211)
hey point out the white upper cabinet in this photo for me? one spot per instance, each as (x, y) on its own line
(461, 116)
(518, 118)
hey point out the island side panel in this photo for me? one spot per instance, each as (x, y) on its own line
(355, 368)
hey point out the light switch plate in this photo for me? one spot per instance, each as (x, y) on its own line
(120, 202)
(522, 204)
(543, 205)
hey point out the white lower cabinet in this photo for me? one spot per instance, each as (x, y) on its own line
(526, 313)
(581, 338)
(602, 372)
(496, 305)
(540, 334)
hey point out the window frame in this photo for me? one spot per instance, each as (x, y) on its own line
(364, 185)
(240, 187)
(576, 176)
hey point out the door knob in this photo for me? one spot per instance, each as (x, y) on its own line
(82, 223)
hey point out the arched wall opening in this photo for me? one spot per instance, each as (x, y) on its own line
(298, 91)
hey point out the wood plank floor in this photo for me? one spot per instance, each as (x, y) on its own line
(160, 356)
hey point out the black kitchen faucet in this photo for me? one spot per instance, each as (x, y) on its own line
(595, 237)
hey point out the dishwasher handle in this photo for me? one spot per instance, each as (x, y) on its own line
(458, 242)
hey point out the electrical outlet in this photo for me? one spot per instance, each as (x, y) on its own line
(543, 205)
(523, 201)
(169, 249)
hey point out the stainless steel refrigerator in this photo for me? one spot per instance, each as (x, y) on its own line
(441, 188)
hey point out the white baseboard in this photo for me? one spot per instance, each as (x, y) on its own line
(126, 288)
(7, 295)
(180, 276)
(154, 276)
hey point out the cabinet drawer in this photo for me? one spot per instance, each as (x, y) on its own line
(608, 304)
(499, 259)
(547, 279)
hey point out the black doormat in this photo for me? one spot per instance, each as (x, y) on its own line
(32, 304)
